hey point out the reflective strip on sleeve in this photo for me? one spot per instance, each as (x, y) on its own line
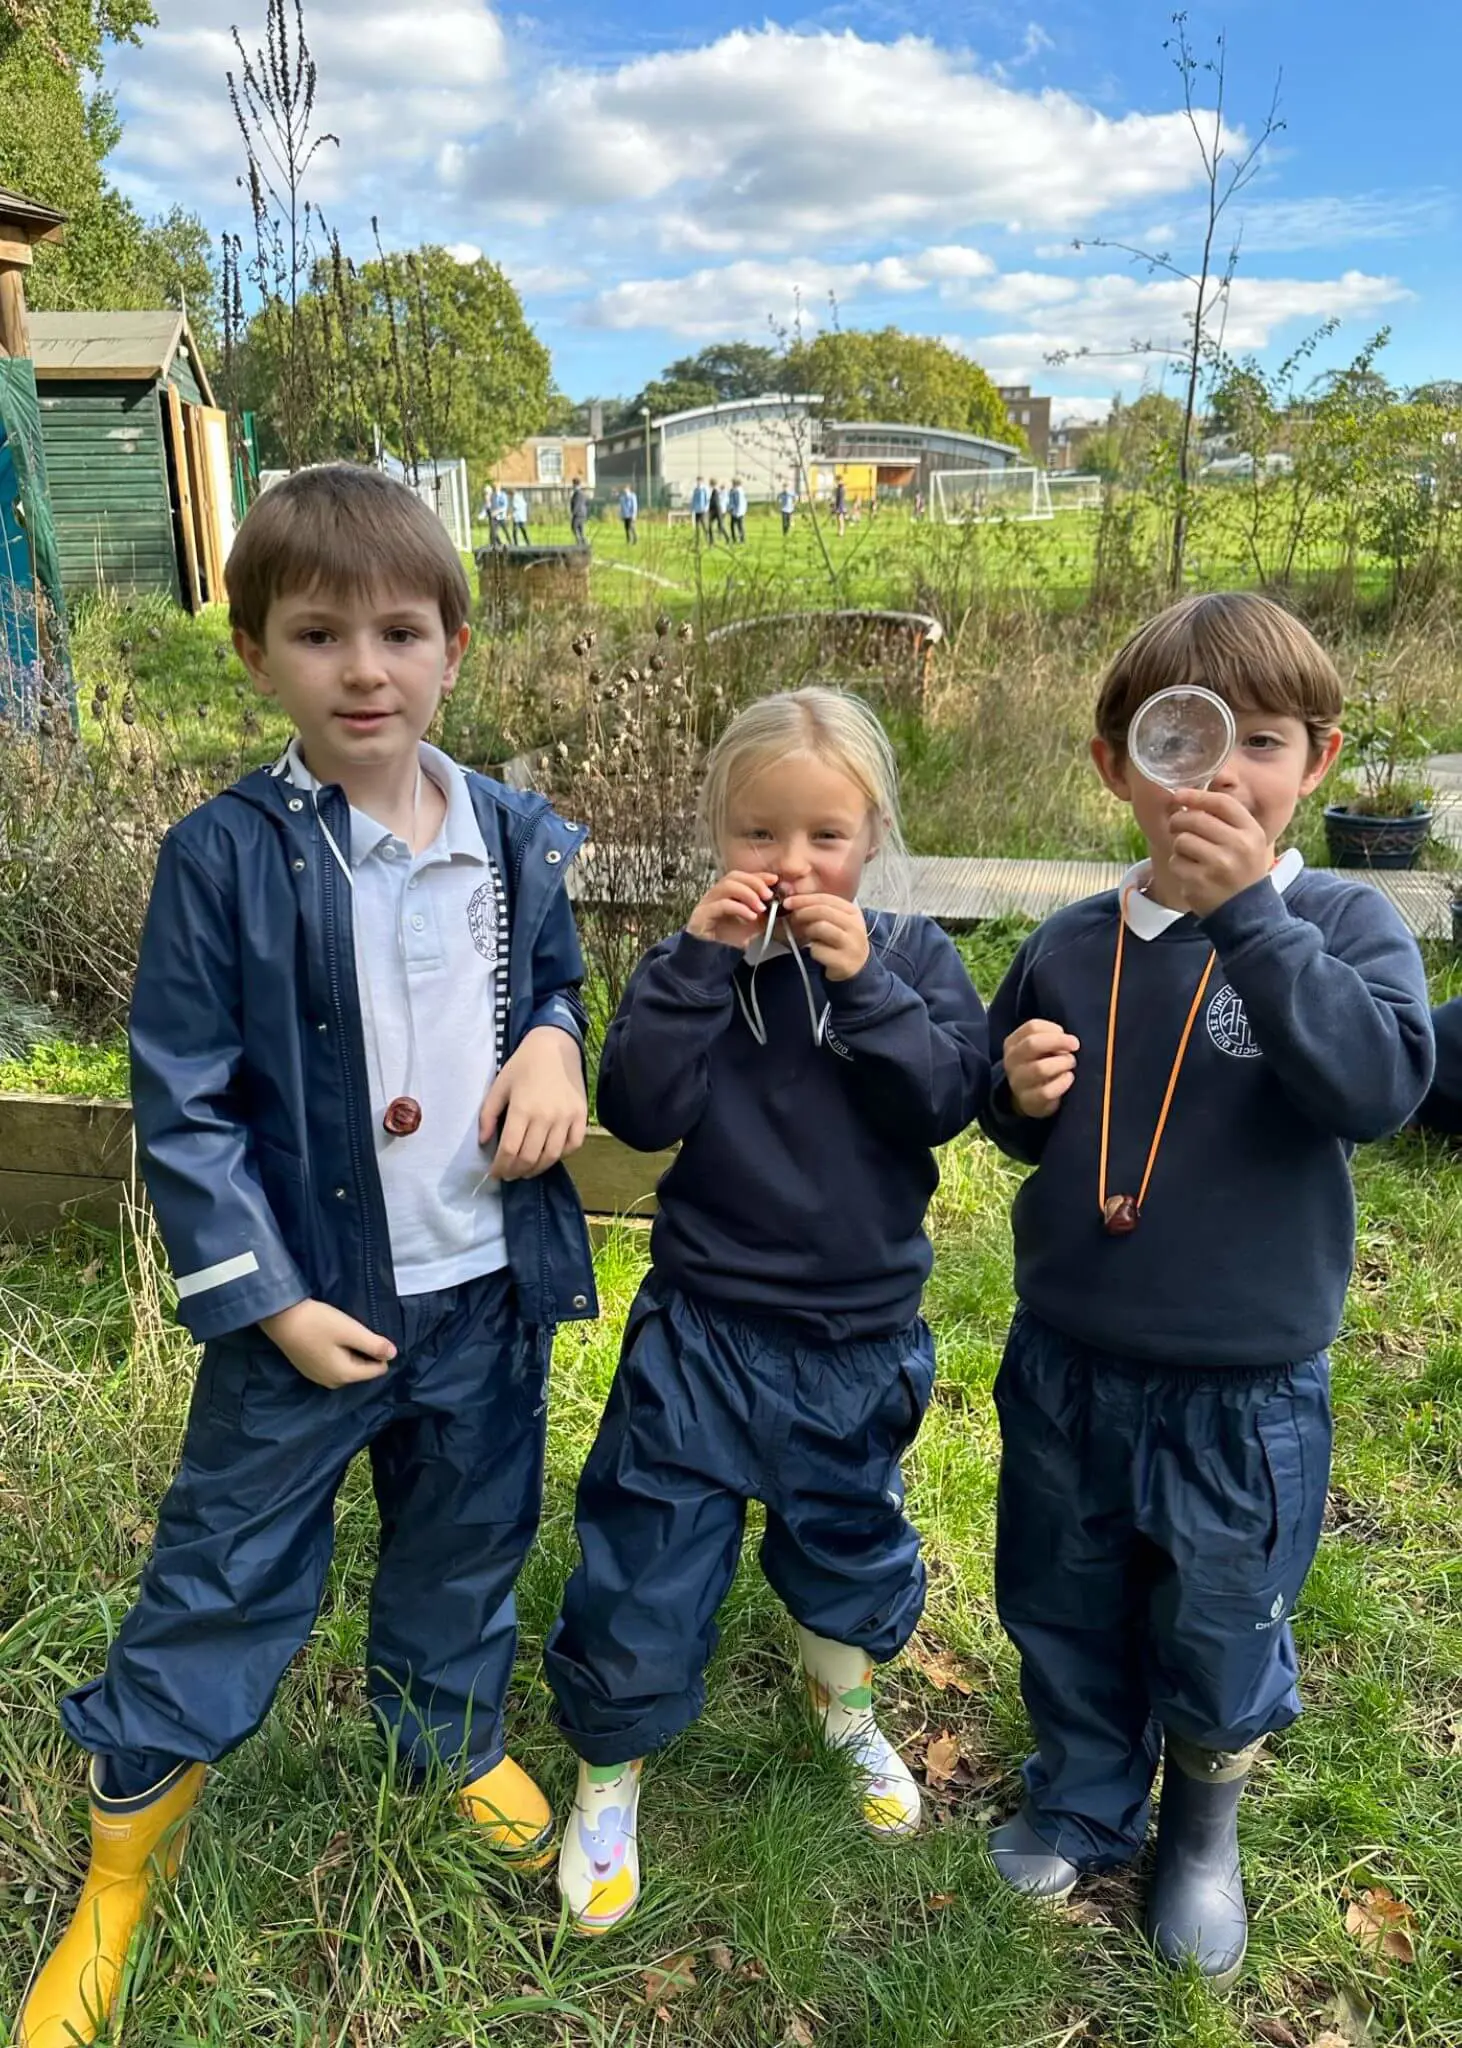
(209, 1277)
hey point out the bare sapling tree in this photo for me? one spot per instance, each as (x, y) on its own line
(273, 98)
(1229, 164)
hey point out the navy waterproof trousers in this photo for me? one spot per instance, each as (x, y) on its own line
(1154, 1531)
(455, 1431)
(708, 1411)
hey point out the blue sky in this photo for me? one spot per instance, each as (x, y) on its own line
(656, 176)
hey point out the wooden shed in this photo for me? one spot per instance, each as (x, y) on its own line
(137, 454)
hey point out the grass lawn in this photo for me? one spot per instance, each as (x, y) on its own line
(883, 560)
(321, 1905)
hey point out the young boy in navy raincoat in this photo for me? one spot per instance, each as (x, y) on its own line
(775, 1351)
(1187, 1063)
(356, 1067)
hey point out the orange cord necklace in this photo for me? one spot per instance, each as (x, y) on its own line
(1120, 1213)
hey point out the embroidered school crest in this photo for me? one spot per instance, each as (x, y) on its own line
(482, 921)
(1228, 1026)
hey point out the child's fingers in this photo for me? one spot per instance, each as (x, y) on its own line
(352, 1367)
(1036, 1039)
(1032, 1072)
(350, 1336)
(492, 1109)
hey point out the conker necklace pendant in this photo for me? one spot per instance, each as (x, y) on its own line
(1121, 1213)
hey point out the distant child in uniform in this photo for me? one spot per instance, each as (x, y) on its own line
(1187, 1061)
(356, 1064)
(787, 505)
(806, 1054)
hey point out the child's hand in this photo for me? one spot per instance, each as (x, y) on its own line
(731, 911)
(835, 931)
(1040, 1065)
(542, 1090)
(1219, 849)
(325, 1345)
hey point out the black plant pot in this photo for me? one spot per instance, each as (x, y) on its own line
(1357, 840)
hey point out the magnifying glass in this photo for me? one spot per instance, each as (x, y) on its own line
(1181, 737)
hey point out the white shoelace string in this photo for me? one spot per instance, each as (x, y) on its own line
(752, 1012)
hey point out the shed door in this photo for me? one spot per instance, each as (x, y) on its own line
(198, 447)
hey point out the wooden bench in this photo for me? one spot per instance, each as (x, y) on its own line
(65, 1157)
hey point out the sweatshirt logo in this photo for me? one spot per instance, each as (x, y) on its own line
(834, 1044)
(1228, 1026)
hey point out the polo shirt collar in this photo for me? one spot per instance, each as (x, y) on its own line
(1149, 920)
(460, 837)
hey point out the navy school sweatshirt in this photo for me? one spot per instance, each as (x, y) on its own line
(1314, 1035)
(804, 1170)
(1442, 1110)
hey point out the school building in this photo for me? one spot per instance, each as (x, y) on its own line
(777, 439)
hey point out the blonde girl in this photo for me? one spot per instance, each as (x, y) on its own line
(805, 1053)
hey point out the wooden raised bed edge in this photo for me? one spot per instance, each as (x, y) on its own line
(65, 1157)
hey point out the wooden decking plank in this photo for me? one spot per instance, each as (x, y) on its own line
(959, 891)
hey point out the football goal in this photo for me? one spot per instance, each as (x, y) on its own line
(1076, 493)
(961, 496)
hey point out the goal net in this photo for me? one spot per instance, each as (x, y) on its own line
(1075, 493)
(960, 496)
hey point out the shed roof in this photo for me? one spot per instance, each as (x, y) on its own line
(41, 223)
(122, 346)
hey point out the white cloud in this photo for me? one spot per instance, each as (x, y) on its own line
(396, 82)
(735, 297)
(769, 137)
(1331, 223)
(1108, 315)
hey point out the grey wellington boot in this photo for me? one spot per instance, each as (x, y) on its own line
(1195, 1908)
(1030, 1865)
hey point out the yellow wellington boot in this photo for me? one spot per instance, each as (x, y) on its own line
(134, 1842)
(512, 1813)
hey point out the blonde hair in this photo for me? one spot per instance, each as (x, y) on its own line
(1246, 648)
(836, 728)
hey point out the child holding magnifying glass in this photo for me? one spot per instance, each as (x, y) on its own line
(1187, 1062)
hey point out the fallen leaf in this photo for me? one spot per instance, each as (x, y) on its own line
(721, 1956)
(662, 2015)
(1278, 2033)
(91, 1273)
(1331, 2041)
(798, 2033)
(1085, 1913)
(941, 1759)
(937, 1901)
(668, 1980)
(1351, 2018)
(1381, 1922)
(752, 1970)
(941, 1667)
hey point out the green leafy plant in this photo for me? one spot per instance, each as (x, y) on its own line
(1387, 743)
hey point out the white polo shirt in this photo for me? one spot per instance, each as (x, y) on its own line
(1148, 920)
(433, 924)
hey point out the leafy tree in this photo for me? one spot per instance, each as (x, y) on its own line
(467, 350)
(433, 355)
(888, 375)
(733, 369)
(55, 136)
(666, 395)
